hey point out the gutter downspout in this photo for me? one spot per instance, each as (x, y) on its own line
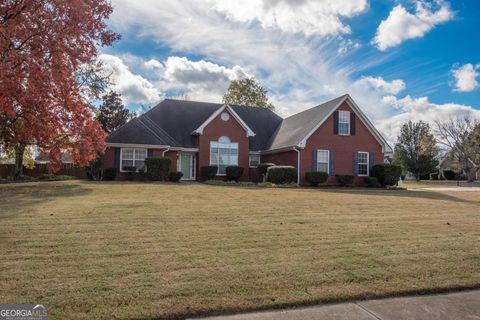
(166, 150)
(298, 164)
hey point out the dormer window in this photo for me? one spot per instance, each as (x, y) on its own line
(344, 122)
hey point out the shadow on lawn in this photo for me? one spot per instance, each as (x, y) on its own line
(422, 194)
(17, 198)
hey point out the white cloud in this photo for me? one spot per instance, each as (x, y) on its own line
(153, 64)
(381, 85)
(402, 25)
(466, 77)
(200, 79)
(294, 16)
(133, 87)
(416, 109)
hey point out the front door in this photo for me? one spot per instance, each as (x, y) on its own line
(187, 166)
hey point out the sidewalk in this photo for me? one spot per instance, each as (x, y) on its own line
(452, 306)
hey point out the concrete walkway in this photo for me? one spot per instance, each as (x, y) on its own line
(467, 189)
(452, 306)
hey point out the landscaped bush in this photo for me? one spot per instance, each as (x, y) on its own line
(157, 168)
(344, 179)
(22, 177)
(282, 174)
(450, 175)
(387, 174)
(53, 177)
(175, 176)
(234, 173)
(110, 174)
(371, 182)
(262, 168)
(243, 184)
(208, 172)
(315, 177)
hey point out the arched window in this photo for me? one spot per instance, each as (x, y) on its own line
(223, 153)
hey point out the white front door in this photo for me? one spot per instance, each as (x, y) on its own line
(187, 166)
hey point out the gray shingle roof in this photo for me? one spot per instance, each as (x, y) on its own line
(172, 122)
(296, 127)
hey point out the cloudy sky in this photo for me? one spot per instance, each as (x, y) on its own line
(399, 59)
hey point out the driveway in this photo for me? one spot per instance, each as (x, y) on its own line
(460, 305)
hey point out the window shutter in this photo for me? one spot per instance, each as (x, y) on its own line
(352, 123)
(355, 163)
(314, 160)
(335, 122)
(116, 158)
(332, 162)
(371, 160)
(149, 152)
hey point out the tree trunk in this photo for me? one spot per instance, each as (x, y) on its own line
(19, 152)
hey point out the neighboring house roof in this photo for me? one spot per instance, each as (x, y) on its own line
(174, 123)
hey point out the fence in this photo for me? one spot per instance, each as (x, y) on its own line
(41, 168)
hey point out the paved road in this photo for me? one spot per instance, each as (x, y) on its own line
(454, 306)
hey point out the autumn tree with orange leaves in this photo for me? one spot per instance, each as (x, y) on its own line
(43, 46)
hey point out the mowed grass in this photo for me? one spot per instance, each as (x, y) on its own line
(134, 251)
(412, 184)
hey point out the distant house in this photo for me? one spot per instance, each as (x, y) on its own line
(335, 137)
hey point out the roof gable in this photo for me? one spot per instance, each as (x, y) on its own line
(226, 107)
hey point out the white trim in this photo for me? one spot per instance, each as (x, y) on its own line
(368, 164)
(298, 165)
(385, 146)
(183, 149)
(328, 160)
(121, 158)
(282, 149)
(210, 154)
(133, 145)
(200, 129)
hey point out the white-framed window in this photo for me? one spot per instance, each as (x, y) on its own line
(132, 159)
(344, 122)
(223, 153)
(362, 163)
(253, 160)
(323, 161)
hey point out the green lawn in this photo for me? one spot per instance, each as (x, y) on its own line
(133, 250)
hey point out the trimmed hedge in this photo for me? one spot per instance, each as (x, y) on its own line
(175, 176)
(208, 172)
(234, 173)
(371, 182)
(344, 179)
(316, 177)
(157, 168)
(387, 174)
(110, 174)
(282, 174)
(263, 168)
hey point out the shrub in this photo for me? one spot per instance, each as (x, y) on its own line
(208, 172)
(52, 177)
(450, 175)
(157, 168)
(344, 179)
(110, 174)
(243, 184)
(263, 168)
(282, 174)
(315, 177)
(234, 173)
(22, 177)
(387, 174)
(371, 182)
(175, 176)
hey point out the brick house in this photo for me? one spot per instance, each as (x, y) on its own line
(335, 137)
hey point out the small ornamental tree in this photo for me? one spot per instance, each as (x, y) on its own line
(386, 174)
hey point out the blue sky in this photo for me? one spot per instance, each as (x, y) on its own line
(400, 60)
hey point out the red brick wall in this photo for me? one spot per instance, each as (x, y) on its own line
(282, 158)
(344, 146)
(109, 158)
(213, 131)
